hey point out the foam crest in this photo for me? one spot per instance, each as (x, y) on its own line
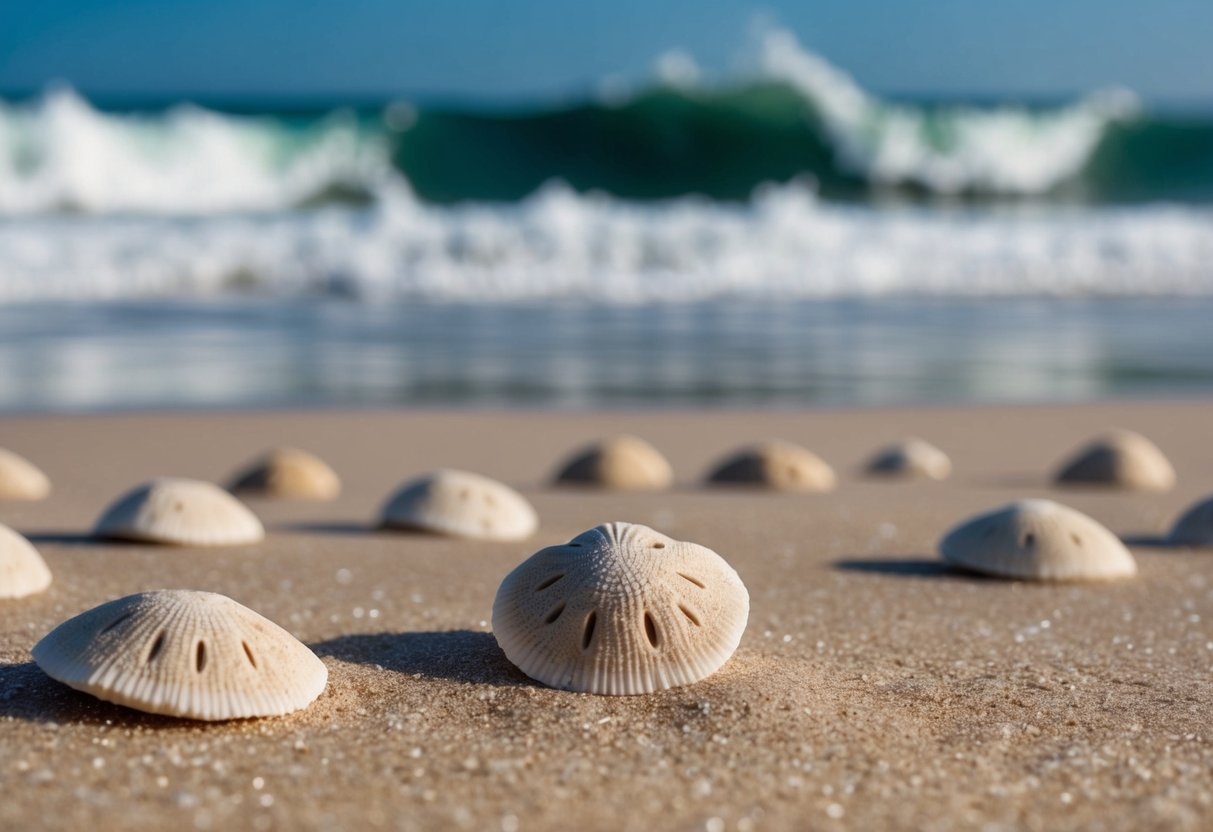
(786, 243)
(59, 153)
(952, 149)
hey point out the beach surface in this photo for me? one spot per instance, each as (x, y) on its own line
(873, 688)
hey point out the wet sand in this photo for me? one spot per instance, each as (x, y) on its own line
(873, 688)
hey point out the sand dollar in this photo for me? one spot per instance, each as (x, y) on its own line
(778, 465)
(460, 504)
(288, 474)
(22, 570)
(20, 479)
(911, 459)
(180, 511)
(1120, 459)
(1194, 526)
(1038, 540)
(623, 463)
(183, 653)
(621, 609)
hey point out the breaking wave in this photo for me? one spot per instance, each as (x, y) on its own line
(788, 114)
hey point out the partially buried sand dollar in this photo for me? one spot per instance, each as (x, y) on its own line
(1195, 526)
(20, 479)
(620, 609)
(460, 504)
(777, 465)
(910, 459)
(1120, 459)
(182, 653)
(180, 511)
(1038, 540)
(288, 474)
(623, 463)
(23, 572)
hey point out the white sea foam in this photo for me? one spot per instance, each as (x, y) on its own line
(677, 68)
(947, 150)
(785, 244)
(59, 153)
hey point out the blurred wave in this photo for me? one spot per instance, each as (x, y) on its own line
(60, 154)
(789, 115)
(785, 243)
(785, 179)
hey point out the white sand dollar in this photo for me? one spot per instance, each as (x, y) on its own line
(1120, 459)
(461, 504)
(620, 609)
(183, 653)
(1195, 526)
(911, 459)
(180, 511)
(779, 465)
(289, 474)
(22, 570)
(1038, 540)
(623, 463)
(20, 479)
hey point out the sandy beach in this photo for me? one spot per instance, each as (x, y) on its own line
(873, 688)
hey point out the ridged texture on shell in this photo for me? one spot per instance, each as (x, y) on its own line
(624, 463)
(779, 465)
(621, 609)
(461, 504)
(22, 570)
(1195, 526)
(1122, 459)
(289, 474)
(1038, 540)
(182, 653)
(20, 479)
(180, 511)
(911, 459)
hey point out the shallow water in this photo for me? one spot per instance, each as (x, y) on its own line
(252, 352)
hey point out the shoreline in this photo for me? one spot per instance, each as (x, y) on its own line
(873, 688)
(265, 352)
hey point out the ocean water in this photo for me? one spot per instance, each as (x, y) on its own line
(745, 353)
(779, 235)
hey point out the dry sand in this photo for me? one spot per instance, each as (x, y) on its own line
(873, 688)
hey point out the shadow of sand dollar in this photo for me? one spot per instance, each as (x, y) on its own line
(907, 567)
(66, 538)
(1150, 541)
(331, 528)
(29, 694)
(458, 655)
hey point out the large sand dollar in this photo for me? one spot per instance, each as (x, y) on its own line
(183, 653)
(620, 609)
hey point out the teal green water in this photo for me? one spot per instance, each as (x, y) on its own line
(723, 143)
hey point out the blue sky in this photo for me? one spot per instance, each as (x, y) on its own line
(533, 48)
